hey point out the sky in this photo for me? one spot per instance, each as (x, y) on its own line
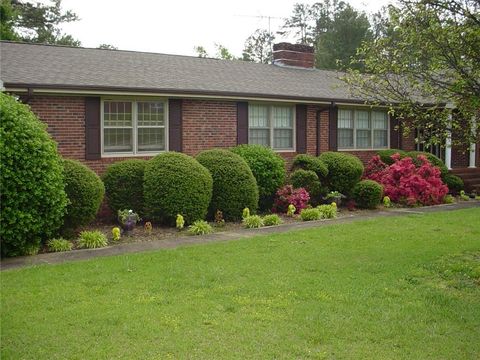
(177, 26)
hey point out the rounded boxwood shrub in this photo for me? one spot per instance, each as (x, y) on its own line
(124, 185)
(85, 193)
(453, 182)
(308, 180)
(175, 183)
(386, 155)
(268, 169)
(312, 163)
(234, 186)
(367, 194)
(32, 197)
(344, 171)
(434, 160)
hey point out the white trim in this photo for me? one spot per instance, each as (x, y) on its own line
(134, 127)
(473, 146)
(164, 95)
(448, 144)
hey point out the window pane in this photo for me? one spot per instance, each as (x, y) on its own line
(151, 139)
(282, 117)
(362, 121)
(380, 138)
(117, 113)
(151, 114)
(345, 119)
(117, 140)
(364, 139)
(259, 136)
(345, 138)
(258, 116)
(282, 139)
(380, 120)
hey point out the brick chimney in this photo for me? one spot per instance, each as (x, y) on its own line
(296, 55)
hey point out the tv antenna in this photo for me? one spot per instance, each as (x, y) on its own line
(263, 17)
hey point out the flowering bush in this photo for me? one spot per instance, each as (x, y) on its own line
(287, 195)
(406, 183)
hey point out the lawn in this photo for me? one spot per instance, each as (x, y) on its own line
(398, 287)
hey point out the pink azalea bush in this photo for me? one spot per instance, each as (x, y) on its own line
(406, 183)
(289, 195)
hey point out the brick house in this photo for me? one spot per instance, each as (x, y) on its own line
(102, 106)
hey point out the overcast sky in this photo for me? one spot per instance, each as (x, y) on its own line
(176, 26)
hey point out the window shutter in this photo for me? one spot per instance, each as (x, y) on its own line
(92, 128)
(332, 128)
(301, 128)
(394, 133)
(175, 125)
(242, 123)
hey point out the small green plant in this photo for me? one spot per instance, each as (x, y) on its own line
(464, 196)
(219, 220)
(58, 245)
(291, 210)
(200, 227)
(245, 213)
(179, 222)
(310, 214)
(387, 202)
(116, 233)
(448, 199)
(477, 197)
(92, 239)
(272, 220)
(328, 211)
(252, 221)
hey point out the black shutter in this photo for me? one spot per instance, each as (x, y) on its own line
(92, 128)
(332, 128)
(394, 133)
(242, 123)
(175, 125)
(301, 128)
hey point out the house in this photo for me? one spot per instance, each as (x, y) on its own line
(103, 106)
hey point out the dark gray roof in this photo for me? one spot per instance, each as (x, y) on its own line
(62, 67)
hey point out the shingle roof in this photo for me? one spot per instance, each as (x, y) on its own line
(83, 68)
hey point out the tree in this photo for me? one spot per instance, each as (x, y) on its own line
(107, 47)
(36, 22)
(221, 52)
(339, 31)
(425, 63)
(300, 23)
(258, 47)
(201, 52)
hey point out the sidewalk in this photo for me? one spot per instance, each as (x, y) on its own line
(128, 248)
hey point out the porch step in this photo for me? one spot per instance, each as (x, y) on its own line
(470, 177)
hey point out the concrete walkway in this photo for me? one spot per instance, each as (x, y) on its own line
(128, 248)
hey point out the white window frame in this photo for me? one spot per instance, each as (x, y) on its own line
(354, 148)
(135, 127)
(272, 128)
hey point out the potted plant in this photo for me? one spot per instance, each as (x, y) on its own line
(128, 219)
(334, 196)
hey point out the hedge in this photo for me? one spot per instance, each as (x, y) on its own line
(234, 186)
(344, 171)
(367, 194)
(312, 163)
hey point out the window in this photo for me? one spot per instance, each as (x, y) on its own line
(362, 129)
(271, 125)
(133, 127)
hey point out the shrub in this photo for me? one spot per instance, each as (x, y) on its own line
(252, 221)
(179, 222)
(85, 192)
(448, 199)
(234, 186)
(368, 194)
(453, 182)
(200, 227)
(308, 180)
(386, 155)
(435, 161)
(405, 183)
(32, 199)
(312, 163)
(287, 195)
(116, 234)
(310, 214)
(176, 183)
(268, 169)
(328, 211)
(245, 213)
(59, 245)
(344, 171)
(271, 220)
(124, 185)
(92, 239)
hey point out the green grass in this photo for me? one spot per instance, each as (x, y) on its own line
(389, 288)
